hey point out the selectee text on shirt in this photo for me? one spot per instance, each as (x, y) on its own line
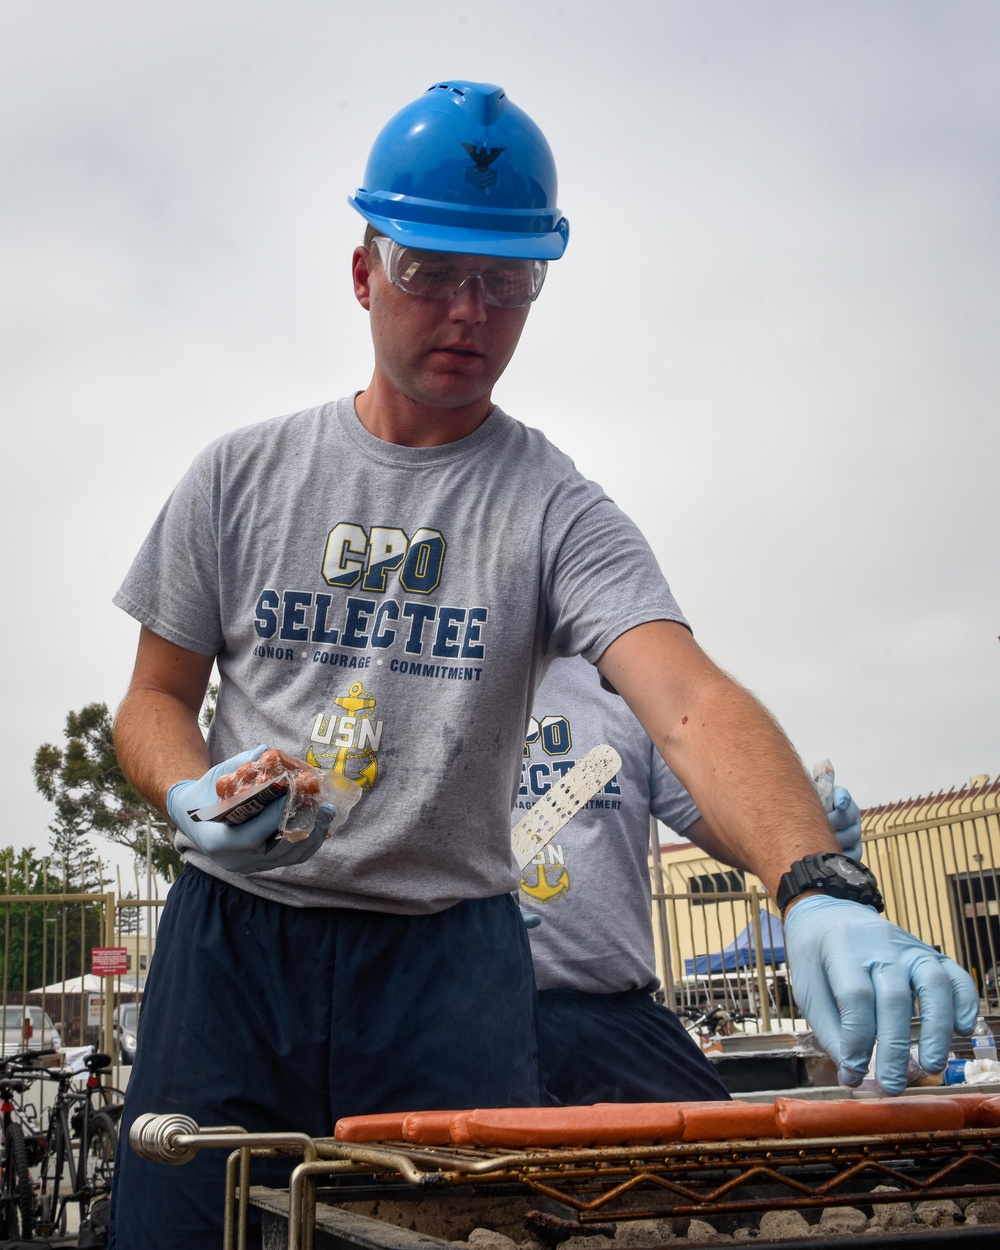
(371, 562)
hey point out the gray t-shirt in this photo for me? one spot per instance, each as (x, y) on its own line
(387, 611)
(591, 884)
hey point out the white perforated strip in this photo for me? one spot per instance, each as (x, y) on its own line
(566, 797)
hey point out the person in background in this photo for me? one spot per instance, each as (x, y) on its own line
(602, 1037)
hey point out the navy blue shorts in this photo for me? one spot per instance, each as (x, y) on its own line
(276, 1018)
(619, 1048)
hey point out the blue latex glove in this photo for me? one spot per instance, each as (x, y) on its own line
(531, 921)
(240, 848)
(854, 972)
(845, 821)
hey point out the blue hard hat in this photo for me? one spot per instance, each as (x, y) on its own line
(462, 169)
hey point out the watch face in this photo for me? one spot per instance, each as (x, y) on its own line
(852, 873)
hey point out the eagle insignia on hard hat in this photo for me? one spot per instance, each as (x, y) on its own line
(481, 175)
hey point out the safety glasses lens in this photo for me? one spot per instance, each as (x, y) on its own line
(506, 283)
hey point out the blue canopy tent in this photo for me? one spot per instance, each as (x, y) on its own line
(740, 952)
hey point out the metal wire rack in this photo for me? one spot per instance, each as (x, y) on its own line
(608, 1184)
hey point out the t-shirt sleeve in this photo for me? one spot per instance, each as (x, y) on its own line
(603, 580)
(173, 585)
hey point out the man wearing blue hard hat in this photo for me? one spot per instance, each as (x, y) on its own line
(382, 581)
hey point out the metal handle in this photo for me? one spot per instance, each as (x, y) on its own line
(158, 1137)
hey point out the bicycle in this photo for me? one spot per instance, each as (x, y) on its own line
(709, 1024)
(74, 1116)
(18, 1150)
(80, 1139)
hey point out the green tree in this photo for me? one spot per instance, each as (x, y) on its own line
(91, 793)
(73, 859)
(207, 714)
(128, 917)
(75, 863)
(30, 944)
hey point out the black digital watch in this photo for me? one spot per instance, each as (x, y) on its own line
(836, 875)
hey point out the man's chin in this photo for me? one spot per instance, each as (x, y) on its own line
(451, 394)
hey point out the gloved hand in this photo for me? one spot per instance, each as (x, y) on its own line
(845, 821)
(240, 848)
(531, 921)
(854, 972)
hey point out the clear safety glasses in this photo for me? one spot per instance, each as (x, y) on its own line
(506, 282)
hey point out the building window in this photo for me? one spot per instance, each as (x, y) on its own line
(712, 884)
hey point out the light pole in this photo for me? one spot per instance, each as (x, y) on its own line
(54, 921)
(159, 824)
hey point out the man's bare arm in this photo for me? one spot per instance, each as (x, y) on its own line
(846, 826)
(725, 748)
(702, 834)
(157, 735)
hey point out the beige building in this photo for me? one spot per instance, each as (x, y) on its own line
(936, 859)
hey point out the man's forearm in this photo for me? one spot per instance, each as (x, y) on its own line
(158, 741)
(702, 834)
(725, 748)
(748, 784)
(157, 735)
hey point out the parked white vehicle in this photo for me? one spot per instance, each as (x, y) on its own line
(26, 1027)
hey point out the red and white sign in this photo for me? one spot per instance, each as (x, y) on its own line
(109, 961)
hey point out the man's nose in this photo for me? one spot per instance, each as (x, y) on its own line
(469, 301)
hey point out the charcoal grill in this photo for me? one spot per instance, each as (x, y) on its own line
(399, 1196)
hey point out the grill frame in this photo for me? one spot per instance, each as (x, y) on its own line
(688, 1179)
(706, 1177)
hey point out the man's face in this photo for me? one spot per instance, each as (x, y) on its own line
(440, 353)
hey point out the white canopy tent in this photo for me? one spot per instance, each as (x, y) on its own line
(88, 984)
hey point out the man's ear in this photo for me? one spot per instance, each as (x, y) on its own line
(361, 272)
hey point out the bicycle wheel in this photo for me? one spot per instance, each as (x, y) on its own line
(99, 1156)
(17, 1196)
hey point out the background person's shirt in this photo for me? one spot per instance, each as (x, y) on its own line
(590, 884)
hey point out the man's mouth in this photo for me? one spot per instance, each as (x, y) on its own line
(458, 349)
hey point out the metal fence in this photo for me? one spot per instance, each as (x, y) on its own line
(936, 859)
(719, 935)
(48, 991)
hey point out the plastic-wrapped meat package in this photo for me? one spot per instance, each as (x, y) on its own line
(251, 787)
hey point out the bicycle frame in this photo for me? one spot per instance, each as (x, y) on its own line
(59, 1155)
(710, 1024)
(20, 1145)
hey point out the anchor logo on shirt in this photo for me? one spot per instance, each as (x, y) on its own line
(354, 736)
(551, 879)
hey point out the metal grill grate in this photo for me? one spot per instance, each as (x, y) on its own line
(601, 1185)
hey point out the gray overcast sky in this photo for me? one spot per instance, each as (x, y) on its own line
(773, 338)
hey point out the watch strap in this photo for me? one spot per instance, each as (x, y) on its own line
(820, 872)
